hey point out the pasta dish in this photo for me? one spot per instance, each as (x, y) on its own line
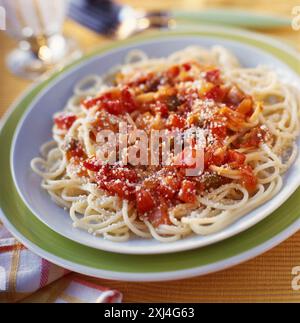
(108, 180)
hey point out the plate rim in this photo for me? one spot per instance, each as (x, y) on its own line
(160, 276)
(177, 274)
(177, 246)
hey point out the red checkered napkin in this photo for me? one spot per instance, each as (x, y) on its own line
(22, 273)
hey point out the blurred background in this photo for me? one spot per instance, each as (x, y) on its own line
(45, 34)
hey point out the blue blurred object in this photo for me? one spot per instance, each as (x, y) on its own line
(102, 16)
(111, 19)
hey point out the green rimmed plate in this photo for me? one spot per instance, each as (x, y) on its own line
(73, 256)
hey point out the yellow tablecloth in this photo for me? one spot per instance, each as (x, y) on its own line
(267, 278)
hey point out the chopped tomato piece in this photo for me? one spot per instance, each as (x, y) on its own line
(173, 182)
(117, 181)
(92, 164)
(144, 201)
(254, 138)
(122, 189)
(187, 192)
(173, 72)
(187, 66)
(141, 80)
(218, 126)
(65, 121)
(112, 104)
(128, 100)
(74, 149)
(217, 93)
(159, 216)
(124, 173)
(235, 157)
(220, 131)
(166, 192)
(161, 108)
(212, 76)
(103, 176)
(175, 121)
(89, 103)
(116, 102)
(214, 155)
(248, 179)
(150, 183)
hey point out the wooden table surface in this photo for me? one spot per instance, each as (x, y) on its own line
(266, 278)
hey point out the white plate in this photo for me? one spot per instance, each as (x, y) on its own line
(35, 128)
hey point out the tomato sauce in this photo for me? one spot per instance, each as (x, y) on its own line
(205, 102)
(64, 121)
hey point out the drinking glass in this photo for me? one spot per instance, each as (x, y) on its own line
(37, 26)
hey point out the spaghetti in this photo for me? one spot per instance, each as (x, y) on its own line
(250, 120)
